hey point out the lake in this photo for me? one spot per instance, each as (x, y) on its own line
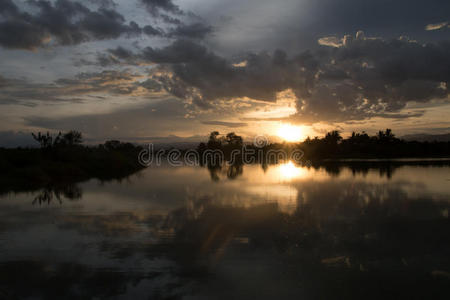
(352, 231)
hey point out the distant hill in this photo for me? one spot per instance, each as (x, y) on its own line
(423, 137)
(164, 142)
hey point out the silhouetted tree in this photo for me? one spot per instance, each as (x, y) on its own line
(214, 141)
(46, 140)
(234, 140)
(359, 138)
(112, 145)
(333, 137)
(333, 145)
(386, 136)
(201, 147)
(72, 138)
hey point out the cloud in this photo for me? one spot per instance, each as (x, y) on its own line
(362, 78)
(195, 31)
(341, 77)
(113, 57)
(66, 22)
(152, 31)
(354, 78)
(104, 3)
(170, 20)
(106, 24)
(113, 82)
(156, 6)
(400, 116)
(63, 23)
(436, 26)
(109, 82)
(297, 25)
(331, 41)
(166, 117)
(8, 8)
(171, 14)
(226, 124)
(22, 35)
(204, 76)
(368, 77)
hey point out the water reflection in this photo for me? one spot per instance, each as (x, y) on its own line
(289, 170)
(50, 193)
(216, 171)
(284, 231)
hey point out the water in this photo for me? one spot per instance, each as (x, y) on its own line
(280, 231)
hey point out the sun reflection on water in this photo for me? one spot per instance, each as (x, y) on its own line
(289, 171)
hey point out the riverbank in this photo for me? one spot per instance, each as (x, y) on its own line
(30, 169)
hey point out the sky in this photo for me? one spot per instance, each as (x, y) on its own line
(174, 70)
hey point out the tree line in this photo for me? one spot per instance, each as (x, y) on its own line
(332, 145)
(63, 159)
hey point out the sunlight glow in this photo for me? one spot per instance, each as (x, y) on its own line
(289, 171)
(290, 133)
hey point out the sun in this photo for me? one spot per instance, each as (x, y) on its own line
(290, 133)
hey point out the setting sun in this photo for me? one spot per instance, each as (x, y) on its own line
(290, 133)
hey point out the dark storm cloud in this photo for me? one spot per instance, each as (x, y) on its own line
(363, 77)
(181, 51)
(170, 20)
(121, 55)
(152, 31)
(104, 3)
(21, 35)
(205, 76)
(7, 7)
(121, 52)
(194, 31)
(169, 13)
(107, 24)
(66, 22)
(156, 6)
(377, 77)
